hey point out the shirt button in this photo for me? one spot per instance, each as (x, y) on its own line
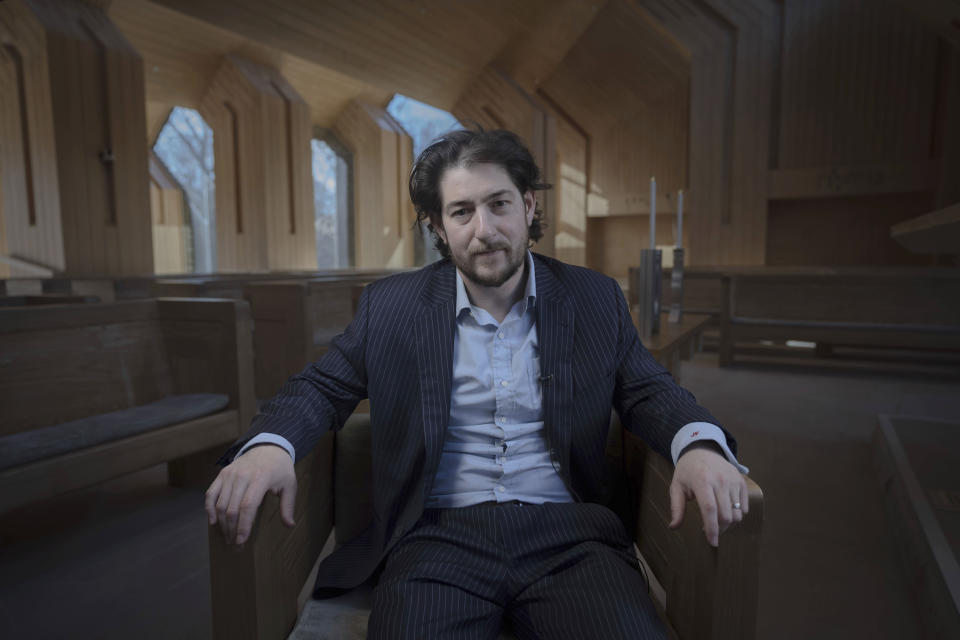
(500, 488)
(500, 335)
(503, 383)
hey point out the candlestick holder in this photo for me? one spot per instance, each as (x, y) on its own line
(645, 284)
(676, 287)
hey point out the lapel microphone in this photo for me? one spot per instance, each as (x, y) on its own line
(545, 380)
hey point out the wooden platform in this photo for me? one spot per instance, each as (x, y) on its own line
(918, 464)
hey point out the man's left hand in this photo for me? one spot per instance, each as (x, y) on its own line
(718, 486)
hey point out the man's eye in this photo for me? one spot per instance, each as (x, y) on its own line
(500, 203)
(459, 212)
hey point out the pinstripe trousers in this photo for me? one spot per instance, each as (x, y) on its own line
(552, 571)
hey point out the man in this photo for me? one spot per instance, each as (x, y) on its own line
(491, 375)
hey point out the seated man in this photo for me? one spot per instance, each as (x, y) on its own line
(491, 375)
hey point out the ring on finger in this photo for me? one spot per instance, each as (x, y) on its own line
(736, 505)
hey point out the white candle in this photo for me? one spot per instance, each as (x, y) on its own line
(680, 219)
(653, 213)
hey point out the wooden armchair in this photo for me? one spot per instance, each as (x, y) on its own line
(703, 593)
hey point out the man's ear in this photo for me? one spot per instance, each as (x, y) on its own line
(438, 227)
(530, 206)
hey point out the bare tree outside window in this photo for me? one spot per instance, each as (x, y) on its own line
(185, 146)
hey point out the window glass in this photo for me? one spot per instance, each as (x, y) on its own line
(185, 146)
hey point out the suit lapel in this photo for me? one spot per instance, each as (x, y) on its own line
(555, 324)
(434, 334)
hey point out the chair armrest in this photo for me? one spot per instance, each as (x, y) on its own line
(711, 594)
(254, 590)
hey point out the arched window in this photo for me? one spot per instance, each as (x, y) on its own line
(423, 123)
(331, 200)
(185, 146)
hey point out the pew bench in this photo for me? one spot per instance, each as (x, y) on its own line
(91, 392)
(905, 309)
(263, 590)
(295, 321)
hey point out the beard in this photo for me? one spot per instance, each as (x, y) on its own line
(491, 276)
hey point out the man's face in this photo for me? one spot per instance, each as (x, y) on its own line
(486, 222)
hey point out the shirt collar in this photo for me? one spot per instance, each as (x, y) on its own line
(529, 296)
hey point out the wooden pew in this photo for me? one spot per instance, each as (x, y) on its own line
(45, 299)
(21, 287)
(902, 308)
(294, 322)
(80, 383)
(915, 460)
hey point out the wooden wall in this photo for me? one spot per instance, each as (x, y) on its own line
(172, 235)
(862, 115)
(83, 83)
(494, 101)
(761, 109)
(30, 227)
(264, 195)
(570, 218)
(625, 85)
(382, 159)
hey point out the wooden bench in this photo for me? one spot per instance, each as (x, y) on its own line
(45, 299)
(258, 592)
(90, 392)
(917, 309)
(915, 460)
(295, 321)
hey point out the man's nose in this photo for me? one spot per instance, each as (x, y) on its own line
(484, 228)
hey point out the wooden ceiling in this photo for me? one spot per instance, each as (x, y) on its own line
(621, 64)
(181, 55)
(429, 49)
(336, 51)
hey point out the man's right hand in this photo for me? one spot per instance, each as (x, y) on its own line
(236, 494)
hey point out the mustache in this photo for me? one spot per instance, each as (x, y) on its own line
(490, 247)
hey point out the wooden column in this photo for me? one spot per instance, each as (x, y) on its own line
(73, 178)
(497, 102)
(382, 159)
(261, 145)
(172, 240)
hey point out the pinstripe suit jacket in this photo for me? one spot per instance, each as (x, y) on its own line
(398, 351)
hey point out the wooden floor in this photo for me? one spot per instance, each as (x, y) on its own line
(129, 560)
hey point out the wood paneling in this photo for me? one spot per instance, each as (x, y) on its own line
(842, 231)
(96, 97)
(858, 84)
(679, 91)
(171, 222)
(30, 227)
(946, 143)
(824, 182)
(182, 54)
(733, 48)
(616, 241)
(496, 102)
(382, 159)
(429, 49)
(570, 219)
(264, 194)
(530, 59)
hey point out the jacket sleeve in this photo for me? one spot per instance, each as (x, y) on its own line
(322, 396)
(646, 397)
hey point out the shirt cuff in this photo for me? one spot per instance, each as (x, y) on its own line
(696, 431)
(268, 438)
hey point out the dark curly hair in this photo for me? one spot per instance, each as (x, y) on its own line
(465, 148)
